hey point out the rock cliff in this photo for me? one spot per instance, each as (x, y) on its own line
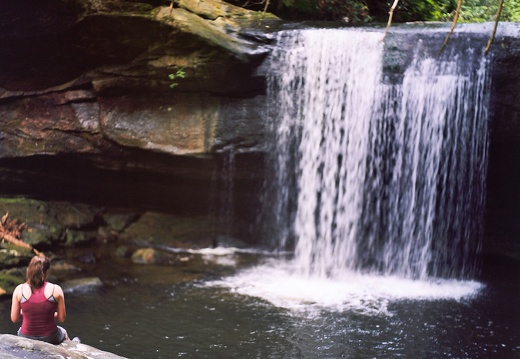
(90, 113)
(86, 98)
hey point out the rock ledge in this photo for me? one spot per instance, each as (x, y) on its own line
(12, 346)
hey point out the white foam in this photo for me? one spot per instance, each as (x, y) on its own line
(367, 294)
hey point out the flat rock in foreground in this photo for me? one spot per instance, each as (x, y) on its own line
(12, 346)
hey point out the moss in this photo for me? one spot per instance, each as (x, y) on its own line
(74, 237)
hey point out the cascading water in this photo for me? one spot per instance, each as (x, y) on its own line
(377, 172)
(377, 177)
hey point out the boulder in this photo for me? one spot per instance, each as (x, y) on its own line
(12, 346)
(81, 284)
(170, 230)
(152, 256)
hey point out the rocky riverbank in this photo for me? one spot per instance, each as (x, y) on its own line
(77, 236)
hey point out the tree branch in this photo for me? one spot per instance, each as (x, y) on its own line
(390, 15)
(453, 25)
(10, 232)
(499, 11)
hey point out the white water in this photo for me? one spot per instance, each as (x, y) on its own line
(386, 178)
(379, 187)
(276, 283)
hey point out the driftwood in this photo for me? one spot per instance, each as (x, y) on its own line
(11, 230)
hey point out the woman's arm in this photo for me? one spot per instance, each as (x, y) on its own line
(61, 313)
(16, 313)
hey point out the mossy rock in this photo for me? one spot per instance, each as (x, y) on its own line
(74, 237)
(36, 234)
(10, 257)
(82, 285)
(74, 215)
(119, 221)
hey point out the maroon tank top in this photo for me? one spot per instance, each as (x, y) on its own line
(38, 314)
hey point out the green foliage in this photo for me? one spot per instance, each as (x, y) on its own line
(179, 74)
(511, 11)
(409, 10)
(348, 10)
(485, 10)
(423, 10)
(357, 11)
(302, 6)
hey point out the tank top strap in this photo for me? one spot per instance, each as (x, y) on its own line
(23, 299)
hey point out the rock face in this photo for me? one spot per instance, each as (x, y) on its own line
(85, 98)
(12, 346)
(88, 111)
(97, 75)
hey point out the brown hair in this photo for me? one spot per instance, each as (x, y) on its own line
(36, 271)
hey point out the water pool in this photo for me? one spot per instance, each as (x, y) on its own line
(165, 312)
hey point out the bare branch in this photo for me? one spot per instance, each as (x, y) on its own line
(453, 25)
(499, 11)
(266, 5)
(10, 231)
(390, 15)
(17, 242)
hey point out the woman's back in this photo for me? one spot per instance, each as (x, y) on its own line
(38, 308)
(39, 304)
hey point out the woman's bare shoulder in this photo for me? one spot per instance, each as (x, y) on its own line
(17, 293)
(57, 289)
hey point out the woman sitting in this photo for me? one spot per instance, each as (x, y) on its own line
(39, 304)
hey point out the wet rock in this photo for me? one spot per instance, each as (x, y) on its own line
(63, 267)
(152, 256)
(82, 285)
(75, 237)
(16, 347)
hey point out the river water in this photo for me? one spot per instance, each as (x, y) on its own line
(248, 309)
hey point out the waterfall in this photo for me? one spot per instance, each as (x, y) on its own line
(370, 176)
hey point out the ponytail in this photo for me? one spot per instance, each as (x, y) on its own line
(36, 271)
